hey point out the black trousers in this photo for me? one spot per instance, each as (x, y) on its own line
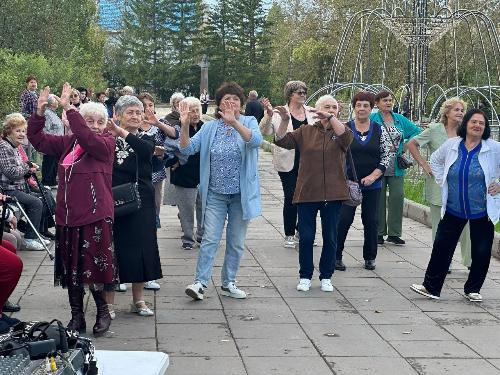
(49, 170)
(448, 233)
(288, 181)
(204, 108)
(369, 217)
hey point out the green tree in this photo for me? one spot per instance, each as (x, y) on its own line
(143, 45)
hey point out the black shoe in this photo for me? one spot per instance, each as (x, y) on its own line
(9, 321)
(339, 265)
(187, 246)
(370, 264)
(395, 240)
(380, 240)
(11, 307)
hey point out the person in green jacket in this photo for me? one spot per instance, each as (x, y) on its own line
(452, 113)
(401, 130)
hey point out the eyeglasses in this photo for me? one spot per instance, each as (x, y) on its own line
(301, 92)
(75, 96)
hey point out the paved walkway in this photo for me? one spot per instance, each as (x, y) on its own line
(371, 324)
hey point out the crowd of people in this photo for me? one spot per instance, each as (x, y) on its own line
(102, 145)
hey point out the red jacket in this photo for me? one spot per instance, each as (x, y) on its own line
(84, 194)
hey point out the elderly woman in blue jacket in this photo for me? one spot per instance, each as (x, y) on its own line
(400, 130)
(229, 185)
(467, 168)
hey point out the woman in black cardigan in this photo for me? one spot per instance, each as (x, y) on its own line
(134, 235)
(370, 153)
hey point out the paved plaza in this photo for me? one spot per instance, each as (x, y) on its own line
(371, 324)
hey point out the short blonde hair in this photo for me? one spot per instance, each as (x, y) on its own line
(176, 98)
(93, 108)
(191, 102)
(11, 122)
(447, 106)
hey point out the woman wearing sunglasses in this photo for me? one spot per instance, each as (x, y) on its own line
(287, 162)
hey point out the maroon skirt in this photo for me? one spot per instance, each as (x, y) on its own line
(85, 255)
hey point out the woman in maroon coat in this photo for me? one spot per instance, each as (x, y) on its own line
(84, 211)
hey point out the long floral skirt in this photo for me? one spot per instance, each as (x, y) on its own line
(85, 256)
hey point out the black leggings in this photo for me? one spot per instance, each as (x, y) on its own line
(288, 181)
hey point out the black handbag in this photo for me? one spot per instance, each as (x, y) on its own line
(355, 193)
(127, 199)
(403, 161)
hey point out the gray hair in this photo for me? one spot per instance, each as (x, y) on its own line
(127, 101)
(176, 98)
(52, 100)
(192, 101)
(323, 99)
(128, 90)
(253, 94)
(93, 108)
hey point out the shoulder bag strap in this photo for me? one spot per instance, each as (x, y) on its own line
(389, 134)
(351, 163)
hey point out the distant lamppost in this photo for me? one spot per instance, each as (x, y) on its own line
(204, 64)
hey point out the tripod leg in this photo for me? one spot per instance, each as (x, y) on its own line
(51, 256)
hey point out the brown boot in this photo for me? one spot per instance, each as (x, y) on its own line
(77, 322)
(103, 320)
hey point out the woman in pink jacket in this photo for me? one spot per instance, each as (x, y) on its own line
(84, 210)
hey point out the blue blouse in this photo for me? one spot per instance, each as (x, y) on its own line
(225, 161)
(466, 185)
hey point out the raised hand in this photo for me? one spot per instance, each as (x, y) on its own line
(65, 95)
(283, 112)
(114, 129)
(150, 117)
(184, 113)
(228, 113)
(266, 103)
(320, 115)
(43, 101)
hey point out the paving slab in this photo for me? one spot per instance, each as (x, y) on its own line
(371, 324)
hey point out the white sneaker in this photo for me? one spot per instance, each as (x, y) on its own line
(231, 290)
(474, 297)
(195, 291)
(34, 245)
(304, 285)
(326, 285)
(45, 241)
(420, 289)
(121, 287)
(140, 308)
(289, 242)
(151, 285)
(297, 239)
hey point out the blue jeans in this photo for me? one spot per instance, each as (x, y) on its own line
(329, 212)
(219, 206)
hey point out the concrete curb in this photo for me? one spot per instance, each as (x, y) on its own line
(413, 210)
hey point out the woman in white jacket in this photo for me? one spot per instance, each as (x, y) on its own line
(286, 162)
(467, 168)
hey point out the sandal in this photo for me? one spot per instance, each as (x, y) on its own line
(140, 308)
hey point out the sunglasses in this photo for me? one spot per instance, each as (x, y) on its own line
(301, 92)
(75, 96)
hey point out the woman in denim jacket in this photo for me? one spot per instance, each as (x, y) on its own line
(229, 185)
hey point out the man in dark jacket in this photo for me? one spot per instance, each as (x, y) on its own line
(254, 107)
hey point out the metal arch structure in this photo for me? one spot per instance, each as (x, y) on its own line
(417, 24)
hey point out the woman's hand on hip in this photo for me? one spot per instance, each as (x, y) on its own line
(494, 188)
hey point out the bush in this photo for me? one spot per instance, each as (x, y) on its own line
(51, 71)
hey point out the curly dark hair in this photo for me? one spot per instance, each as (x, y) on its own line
(231, 88)
(462, 129)
(363, 96)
